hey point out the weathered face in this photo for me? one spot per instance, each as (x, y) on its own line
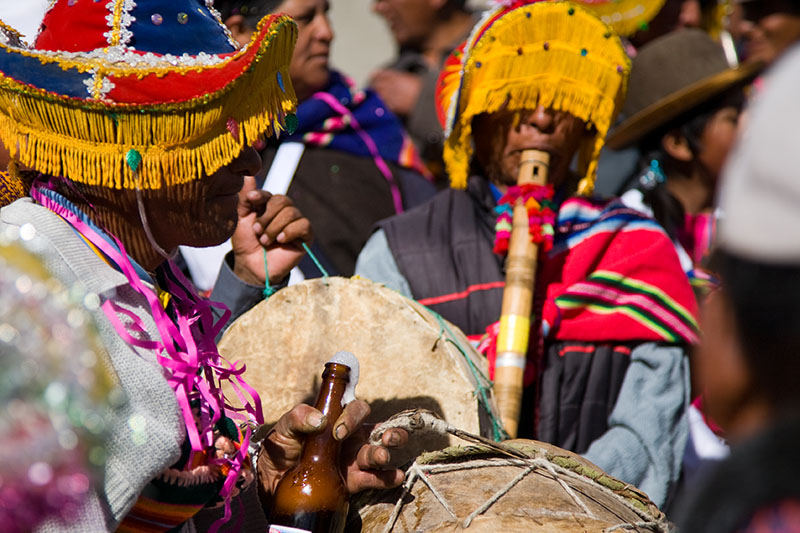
(768, 30)
(410, 21)
(309, 68)
(203, 212)
(501, 137)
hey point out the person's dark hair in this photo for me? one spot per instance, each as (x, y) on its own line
(755, 10)
(457, 5)
(765, 300)
(667, 210)
(252, 10)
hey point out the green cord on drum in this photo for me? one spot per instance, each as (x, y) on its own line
(269, 290)
(481, 389)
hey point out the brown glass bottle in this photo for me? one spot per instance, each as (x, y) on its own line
(312, 496)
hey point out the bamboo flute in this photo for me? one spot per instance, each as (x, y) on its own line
(515, 319)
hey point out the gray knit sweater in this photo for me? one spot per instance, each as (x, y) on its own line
(148, 397)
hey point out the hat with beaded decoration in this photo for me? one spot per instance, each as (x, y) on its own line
(523, 54)
(145, 94)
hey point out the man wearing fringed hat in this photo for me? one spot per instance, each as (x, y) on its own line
(134, 124)
(612, 311)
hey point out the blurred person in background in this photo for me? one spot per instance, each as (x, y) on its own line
(747, 360)
(769, 27)
(347, 164)
(683, 106)
(425, 32)
(616, 167)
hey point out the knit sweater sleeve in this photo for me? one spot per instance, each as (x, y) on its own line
(648, 426)
(377, 263)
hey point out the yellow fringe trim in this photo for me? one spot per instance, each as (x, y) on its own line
(534, 56)
(87, 142)
(11, 187)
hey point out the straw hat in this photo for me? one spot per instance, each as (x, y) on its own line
(671, 76)
(145, 94)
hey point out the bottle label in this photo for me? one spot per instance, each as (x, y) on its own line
(286, 529)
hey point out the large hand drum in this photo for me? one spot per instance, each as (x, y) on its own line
(474, 489)
(409, 357)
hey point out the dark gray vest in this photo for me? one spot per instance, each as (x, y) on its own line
(444, 250)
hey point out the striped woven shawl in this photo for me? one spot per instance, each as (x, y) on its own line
(613, 275)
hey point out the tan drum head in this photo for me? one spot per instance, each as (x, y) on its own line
(408, 360)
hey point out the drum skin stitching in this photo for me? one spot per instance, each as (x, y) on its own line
(419, 420)
(421, 471)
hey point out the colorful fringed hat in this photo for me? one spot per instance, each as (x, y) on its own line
(144, 94)
(518, 56)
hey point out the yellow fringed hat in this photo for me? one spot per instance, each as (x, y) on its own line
(525, 54)
(144, 94)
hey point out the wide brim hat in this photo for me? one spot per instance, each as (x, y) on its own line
(525, 54)
(144, 94)
(671, 76)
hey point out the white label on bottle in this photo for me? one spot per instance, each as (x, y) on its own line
(286, 529)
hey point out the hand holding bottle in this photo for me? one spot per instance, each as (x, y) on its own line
(363, 465)
(312, 460)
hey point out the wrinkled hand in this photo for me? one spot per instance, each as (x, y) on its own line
(398, 90)
(363, 465)
(270, 222)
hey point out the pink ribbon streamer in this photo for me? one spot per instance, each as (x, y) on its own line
(187, 350)
(370, 144)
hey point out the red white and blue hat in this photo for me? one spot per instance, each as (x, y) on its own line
(144, 94)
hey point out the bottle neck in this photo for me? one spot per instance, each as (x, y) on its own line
(329, 402)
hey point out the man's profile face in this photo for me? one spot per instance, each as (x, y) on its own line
(501, 137)
(309, 68)
(202, 212)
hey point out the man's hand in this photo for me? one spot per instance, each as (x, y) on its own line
(270, 222)
(362, 464)
(398, 90)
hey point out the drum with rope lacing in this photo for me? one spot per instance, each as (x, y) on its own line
(409, 356)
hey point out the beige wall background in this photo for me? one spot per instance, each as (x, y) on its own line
(23, 15)
(362, 43)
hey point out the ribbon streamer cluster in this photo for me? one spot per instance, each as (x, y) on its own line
(538, 200)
